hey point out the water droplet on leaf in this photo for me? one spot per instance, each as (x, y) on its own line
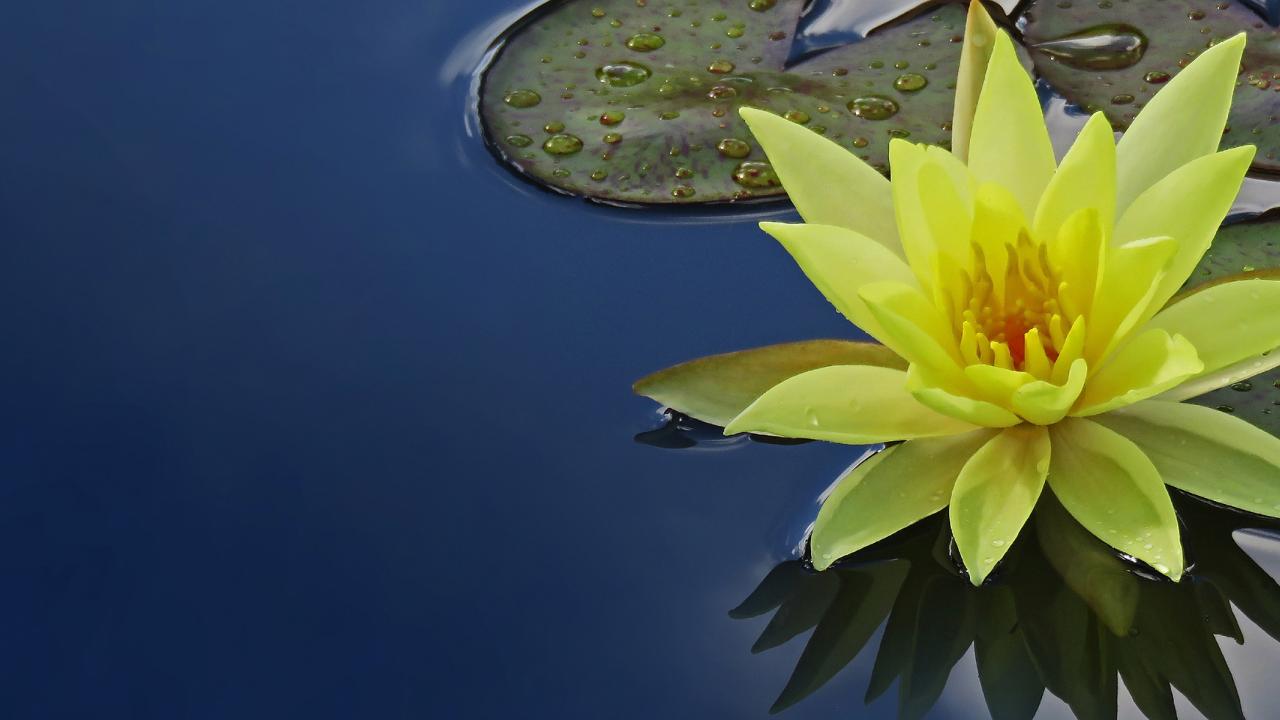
(1102, 47)
(645, 42)
(910, 82)
(562, 144)
(522, 98)
(623, 74)
(873, 107)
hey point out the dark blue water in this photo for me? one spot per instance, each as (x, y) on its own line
(311, 410)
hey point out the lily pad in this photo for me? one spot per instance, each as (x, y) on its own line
(715, 389)
(635, 101)
(1114, 55)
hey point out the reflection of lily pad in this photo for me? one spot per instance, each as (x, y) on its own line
(1112, 56)
(635, 101)
(1243, 250)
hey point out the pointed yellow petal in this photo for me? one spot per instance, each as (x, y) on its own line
(1129, 282)
(905, 161)
(1206, 452)
(949, 215)
(1085, 179)
(1010, 143)
(1152, 363)
(1112, 489)
(1036, 361)
(828, 184)
(852, 404)
(1187, 205)
(979, 40)
(914, 328)
(1182, 122)
(1072, 349)
(1228, 323)
(888, 492)
(1079, 248)
(839, 262)
(957, 405)
(997, 223)
(1045, 403)
(1206, 382)
(997, 384)
(995, 494)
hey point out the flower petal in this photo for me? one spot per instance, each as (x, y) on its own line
(911, 325)
(995, 494)
(1154, 362)
(920, 173)
(852, 404)
(1044, 403)
(715, 389)
(1112, 489)
(822, 178)
(1208, 382)
(979, 40)
(997, 222)
(1188, 205)
(1181, 123)
(905, 161)
(888, 492)
(1085, 179)
(948, 212)
(1010, 143)
(961, 407)
(1206, 452)
(1227, 323)
(839, 262)
(997, 384)
(1131, 275)
(1080, 249)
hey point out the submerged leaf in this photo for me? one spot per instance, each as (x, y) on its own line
(636, 102)
(717, 388)
(1114, 56)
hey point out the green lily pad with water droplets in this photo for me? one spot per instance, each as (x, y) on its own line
(1113, 55)
(1242, 251)
(635, 101)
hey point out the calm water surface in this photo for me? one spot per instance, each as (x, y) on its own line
(314, 411)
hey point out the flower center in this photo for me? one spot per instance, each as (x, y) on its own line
(1012, 316)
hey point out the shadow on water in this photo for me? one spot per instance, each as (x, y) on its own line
(1066, 614)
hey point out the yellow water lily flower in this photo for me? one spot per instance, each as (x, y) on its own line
(1031, 301)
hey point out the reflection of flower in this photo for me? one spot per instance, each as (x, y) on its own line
(1073, 620)
(1029, 300)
